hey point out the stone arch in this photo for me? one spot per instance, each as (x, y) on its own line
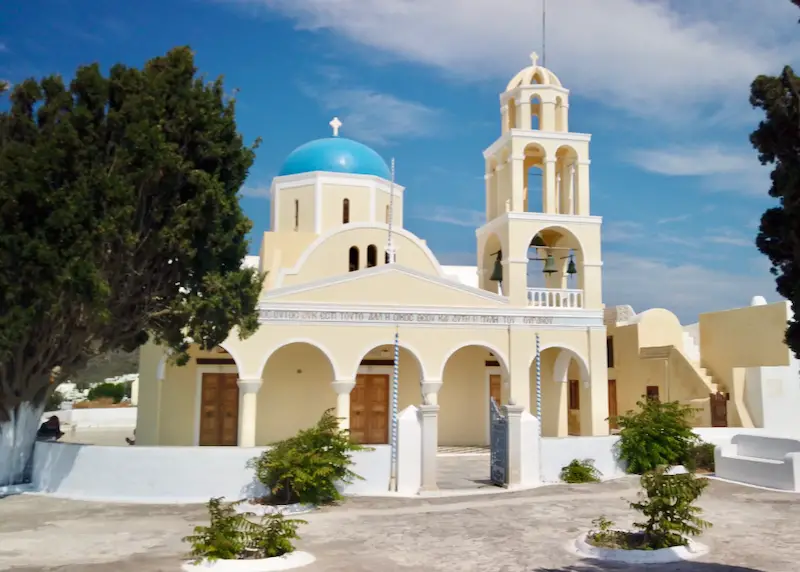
(534, 157)
(405, 347)
(306, 341)
(490, 244)
(561, 398)
(469, 378)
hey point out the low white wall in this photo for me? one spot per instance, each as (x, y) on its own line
(764, 461)
(103, 417)
(409, 451)
(558, 452)
(168, 475)
(722, 435)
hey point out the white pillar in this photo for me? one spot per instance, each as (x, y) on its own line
(513, 414)
(343, 388)
(430, 391)
(429, 420)
(550, 199)
(248, 403)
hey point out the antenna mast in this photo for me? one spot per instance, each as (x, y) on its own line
(390, 255)
(544, 33)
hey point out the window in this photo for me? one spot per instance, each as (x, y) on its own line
(345, 211)
(652, 392)
(574, 394)
(610, 350)
(353, 258)
(296, 214)
(372, 256)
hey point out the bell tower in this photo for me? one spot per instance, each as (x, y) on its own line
(540, 246)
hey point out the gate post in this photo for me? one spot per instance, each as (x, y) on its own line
(513, 415)
(429, 421)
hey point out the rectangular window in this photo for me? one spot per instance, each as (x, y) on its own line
(652, 392)
(610, 350)
(296, 214)
(574, 394)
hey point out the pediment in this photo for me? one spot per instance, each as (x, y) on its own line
(388, 285)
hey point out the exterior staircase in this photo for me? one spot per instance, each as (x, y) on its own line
(691, 350)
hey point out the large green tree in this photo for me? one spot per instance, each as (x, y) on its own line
(777, 140)
(119, 222)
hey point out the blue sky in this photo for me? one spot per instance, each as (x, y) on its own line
(663, 90)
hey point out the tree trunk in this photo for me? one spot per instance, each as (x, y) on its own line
(18, 426)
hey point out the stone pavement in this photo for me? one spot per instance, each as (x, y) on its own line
(755, 531)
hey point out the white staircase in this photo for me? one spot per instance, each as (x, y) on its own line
(691, 349)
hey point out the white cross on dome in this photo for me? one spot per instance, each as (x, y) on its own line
(534, 58)
(335, 124)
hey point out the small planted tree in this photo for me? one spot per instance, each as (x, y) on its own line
(307, 467)
(580, 471)
(236, 536)
(657, 434)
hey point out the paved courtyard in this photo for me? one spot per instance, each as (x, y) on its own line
(755, 530)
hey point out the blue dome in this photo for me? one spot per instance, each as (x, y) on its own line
(337, 155)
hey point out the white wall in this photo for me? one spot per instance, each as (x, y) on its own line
(117, 417)
(764, 461)
(558, 452)
(168, 475)
(772, 396)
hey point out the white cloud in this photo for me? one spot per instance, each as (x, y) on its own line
(375, 117)
(451, 215)
(255, 191)
(686, 289)
(731, 237)
(674, 219)
(653, 57)
(725, 170)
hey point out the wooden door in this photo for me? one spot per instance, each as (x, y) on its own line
(719, 409)
(612, 404)
(574, 407)
(496, 389)
(369, 410)
(219, 410)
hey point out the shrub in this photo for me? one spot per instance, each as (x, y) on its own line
(113, 391)
(234, 536)
(700, 457)
(667, 502)
(306, 468)
(580, 472)
(54, 401)
(657, 434)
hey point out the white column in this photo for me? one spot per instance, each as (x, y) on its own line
(429, 421)
(248, 403)
(517, 166)
(513, 414)
(524, 115)
(550, 200)
(430, 391)
(343, 388)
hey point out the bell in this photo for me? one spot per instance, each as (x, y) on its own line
(538, 242)
(549, 265)
(497, 272)
(571, 269)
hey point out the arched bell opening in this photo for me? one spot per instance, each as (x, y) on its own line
(511, 116)
(555, 269)
(533, 177)
(491, 278)
(536, 112)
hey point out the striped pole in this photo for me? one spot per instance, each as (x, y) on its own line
(395, 390)
(538, 385)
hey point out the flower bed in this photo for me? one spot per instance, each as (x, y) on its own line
(289, 561)
(629, 547)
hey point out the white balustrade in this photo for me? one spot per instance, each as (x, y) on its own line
(555, 298)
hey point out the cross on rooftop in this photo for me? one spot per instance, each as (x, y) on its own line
(335, 124)
(534, 58)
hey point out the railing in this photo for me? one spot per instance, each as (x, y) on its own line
(555, 298)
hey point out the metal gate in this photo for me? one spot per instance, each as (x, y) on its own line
(718, 403)
(498, 442)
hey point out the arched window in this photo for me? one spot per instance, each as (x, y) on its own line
(372, 256)
(345, 211)
(353, 258)
(296, 214)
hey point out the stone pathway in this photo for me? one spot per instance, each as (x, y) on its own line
(755, 531)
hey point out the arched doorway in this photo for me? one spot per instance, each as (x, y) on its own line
(563, 377)
(295, 393)
(472, 374)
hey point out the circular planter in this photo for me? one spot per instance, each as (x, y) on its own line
(691, 551)
(259, 509)
(289, 561)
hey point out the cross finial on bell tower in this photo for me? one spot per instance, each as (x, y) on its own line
(335, 124)
(534, 59)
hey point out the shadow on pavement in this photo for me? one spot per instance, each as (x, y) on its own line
(684, 566)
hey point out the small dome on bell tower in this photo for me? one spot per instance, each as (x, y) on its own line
(534, 99)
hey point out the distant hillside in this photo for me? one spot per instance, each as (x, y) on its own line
(108, 365)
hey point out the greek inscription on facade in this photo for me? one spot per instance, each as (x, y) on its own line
(402, 317)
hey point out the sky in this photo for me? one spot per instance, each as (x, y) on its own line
(662, 86)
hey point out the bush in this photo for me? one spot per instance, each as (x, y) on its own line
(580, 472)
(54, 401)
(658, 434)
(306, 468)
(234, 536)
(113, 391)
(701, 457)
(667, 502)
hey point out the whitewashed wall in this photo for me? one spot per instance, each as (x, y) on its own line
(111, 417)
(557, 453)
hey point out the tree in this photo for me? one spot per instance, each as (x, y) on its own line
(119, 223)
(777, 140)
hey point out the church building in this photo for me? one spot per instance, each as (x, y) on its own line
(344, 278)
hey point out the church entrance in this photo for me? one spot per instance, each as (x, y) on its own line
(219, 410)
(369, 409)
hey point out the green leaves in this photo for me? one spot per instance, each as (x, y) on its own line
(580, 471)
(657, 434)
(119, 218)
(307, 467)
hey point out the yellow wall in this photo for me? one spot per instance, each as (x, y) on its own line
(285, 221)
(464, 399)
(147, 411)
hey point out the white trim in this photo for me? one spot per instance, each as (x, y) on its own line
(318, 206)
(288, 341)
(490, 371)
(524, 134)
(347, 228)
(440, 280)
(345, 179)
(198, 397)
